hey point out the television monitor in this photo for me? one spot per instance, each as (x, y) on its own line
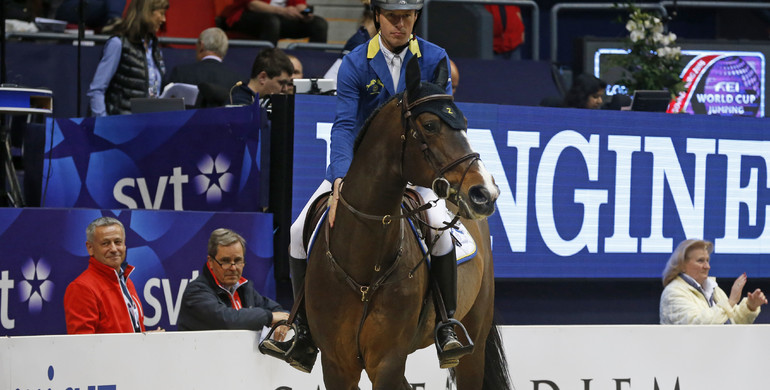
(650, 101)
(723, 78)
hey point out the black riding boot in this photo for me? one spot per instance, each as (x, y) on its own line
(443, 271)
(300, 352)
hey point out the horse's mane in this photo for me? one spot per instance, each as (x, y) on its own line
(368, 122)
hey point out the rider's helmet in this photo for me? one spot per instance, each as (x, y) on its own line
(395, 5)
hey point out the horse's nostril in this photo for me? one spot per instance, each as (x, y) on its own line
(479, 195)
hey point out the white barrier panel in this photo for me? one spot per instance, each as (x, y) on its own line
(539, 357)
(652, 357)
(170, 360)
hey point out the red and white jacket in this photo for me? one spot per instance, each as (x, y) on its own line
(94, 302)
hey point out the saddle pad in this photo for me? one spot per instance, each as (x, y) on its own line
(465, 247)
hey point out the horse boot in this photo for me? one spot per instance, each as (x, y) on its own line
(300, 352)
(444, 274)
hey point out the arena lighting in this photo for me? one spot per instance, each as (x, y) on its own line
(721, 78)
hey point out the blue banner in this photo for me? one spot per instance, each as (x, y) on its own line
(43, 250)
(600, 194)
(207, 160)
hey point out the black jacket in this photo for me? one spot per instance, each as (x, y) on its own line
(206, 306)
(207, 71)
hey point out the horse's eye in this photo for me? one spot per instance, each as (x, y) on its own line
(431, 126)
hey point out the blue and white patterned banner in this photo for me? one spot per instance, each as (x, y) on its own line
(206, 160)
(43, 250)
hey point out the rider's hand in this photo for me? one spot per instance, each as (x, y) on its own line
(335, 199)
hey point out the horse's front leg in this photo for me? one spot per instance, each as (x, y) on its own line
(338, 375)
(389, 374)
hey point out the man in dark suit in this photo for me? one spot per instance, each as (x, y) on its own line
(213, 78)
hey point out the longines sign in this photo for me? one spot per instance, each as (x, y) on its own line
(589, 193)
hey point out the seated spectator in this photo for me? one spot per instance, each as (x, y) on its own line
(298, 74)
(690, 296)
(210, 49)
(132, 64)
(366, 29)
(273, 20)
(220, 298)
(270, 74)
(507, 31)
(454, 73)
(98, 14)
(103, 299)
(587, 91)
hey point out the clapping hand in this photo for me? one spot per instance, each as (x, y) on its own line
(737, 291)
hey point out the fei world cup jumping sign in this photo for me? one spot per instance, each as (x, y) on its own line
(588, 193)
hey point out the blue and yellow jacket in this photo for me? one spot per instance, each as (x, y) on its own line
(363, 84)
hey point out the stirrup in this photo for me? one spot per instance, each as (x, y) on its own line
(451, 358)
(268, 345)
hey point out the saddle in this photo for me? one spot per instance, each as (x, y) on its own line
(412, 200)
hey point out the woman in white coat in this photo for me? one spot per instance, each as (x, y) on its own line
(690, 296)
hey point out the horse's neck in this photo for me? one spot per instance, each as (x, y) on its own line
(374, 183)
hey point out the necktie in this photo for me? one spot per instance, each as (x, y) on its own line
(395, 70)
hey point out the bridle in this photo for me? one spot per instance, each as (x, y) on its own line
(440, 185)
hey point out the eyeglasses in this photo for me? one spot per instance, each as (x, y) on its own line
(238, 263)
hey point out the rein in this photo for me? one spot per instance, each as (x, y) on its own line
(440, 186)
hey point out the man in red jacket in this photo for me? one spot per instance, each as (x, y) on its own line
(103, 299)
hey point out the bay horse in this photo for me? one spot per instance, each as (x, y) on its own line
(367, 291)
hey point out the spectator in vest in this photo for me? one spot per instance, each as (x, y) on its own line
(103, 298)
(132, 64)
(587, 91)
(213, 78)
(221, 298)
(270, 74)
(271, 20)
(691, 297)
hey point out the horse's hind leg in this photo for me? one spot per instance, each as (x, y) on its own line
(470, 371)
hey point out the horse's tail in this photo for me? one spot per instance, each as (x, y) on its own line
(495, 364)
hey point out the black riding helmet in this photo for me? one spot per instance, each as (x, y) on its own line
(395, 5)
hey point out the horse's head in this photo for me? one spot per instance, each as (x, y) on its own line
(437, 153)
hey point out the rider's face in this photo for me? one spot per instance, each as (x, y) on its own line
(396, 27)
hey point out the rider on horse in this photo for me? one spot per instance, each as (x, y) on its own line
(369, 76)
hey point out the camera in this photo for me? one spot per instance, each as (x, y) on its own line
(308, 10)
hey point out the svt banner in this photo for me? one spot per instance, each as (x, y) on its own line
(206, 160)
(594, 194)
(43, 250)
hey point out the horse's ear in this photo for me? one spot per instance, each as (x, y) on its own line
(441, 75)
(412, 77)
